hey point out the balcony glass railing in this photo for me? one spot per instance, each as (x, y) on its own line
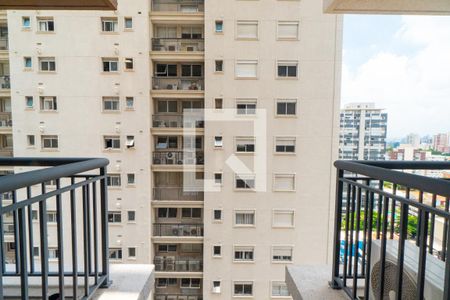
(5, 83)
(182, 6)
(5, 119)
(3, 43)
(177, 264)
(178, 158)
(176, 194)
(178, 45)
(392, 234)
(194, 230)
(178, 83)
(188, 294)
(175, 121)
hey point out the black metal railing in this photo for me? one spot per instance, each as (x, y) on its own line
(172, 229)
(178, 158)
(392, 236)
(177, 193)
(177, 264)
(183, 6)
(178, 45)
(176, 121)
(78, 238)
(178, 83)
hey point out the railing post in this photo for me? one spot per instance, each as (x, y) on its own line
(104, 227)
(337, 229)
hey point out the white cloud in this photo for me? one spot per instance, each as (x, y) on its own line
(413, 87)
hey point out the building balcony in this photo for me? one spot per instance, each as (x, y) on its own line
(188, 294)
(5, 121)
(178, 84)
(176, 194)
(178, 158)
(174, 121)
(5, 83)
(182, 6)
(391, 236)
(4, 44)
(178, 45)
(177, 230)
(177, 264)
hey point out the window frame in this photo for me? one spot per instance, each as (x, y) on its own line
(283, 247)
(112, 100)
(243, 283)
(279, 139)
(247, 111)
(246, 146)
(284, 175)
(109, 180)
(287, 64)
(47, 60)
(52, 139)
(114, 139)
(291, 213)
(51, 101)
(244, 249)
(47, 22)
(285, 23)
(116, 217)
(238, 62)
(110, 61)
(272, 282)
(243, 23)
(238, 176)
(244, 211)
(286, 101)
(109, 20)
(213, 253)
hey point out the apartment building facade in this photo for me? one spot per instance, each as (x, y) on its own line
(363, 132)
(188, 100)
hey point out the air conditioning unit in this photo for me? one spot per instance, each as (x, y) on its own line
(181, 266)
(159, 266)
(170, 267)
(434, 275)
(194, 266)
(194, 231)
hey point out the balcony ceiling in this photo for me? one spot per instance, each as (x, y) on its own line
(59, 4)
(416, 7)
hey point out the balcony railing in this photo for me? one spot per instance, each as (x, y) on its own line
(178, 45)
(392, 232)
(178, 83)
(3, 43)
(175, 121)
(5, 119)
(195, 230)
(183, 6)
(179, 264)
(178, 158)
(80, 201)
(5, 83)
(176, 193)
(188, 295)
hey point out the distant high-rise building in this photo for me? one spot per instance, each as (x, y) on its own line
(441, 142)
(363, 132)
(413, 139)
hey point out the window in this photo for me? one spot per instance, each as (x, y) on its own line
(165, 282)
(247, 30)
(36, 251)
(279, 289)
(243, 253)
(217, 250)
(49, 142)
(193, 283)
(30, 140)
(130, 141)
(216, 287)
(284, 182)
(53, 253)
(27, 62)
(51, 216)
(46, 24)
(129, 103)
(288, 30)
(243, 288)
(218, 103)
(218, 178)
(129, 64)
(47, 64)
(109, 24)
(218, 142)
(244, 218)
(282, 253)
(283, 218)
(29, 102)
(111, 142)
(219, 66)
(131, 252)
(111, 103)
(26, 22)
(245, 181)
(165, 248)
(191, 32)
(34, 215)
(128, 23)
(191, 70)
(217, 215)
(287, 69)
(131, 178)
(246, 106)
(167, 106)
(166, 142)
(168, 213)
(48, 103)
(219, 26)
(245, 144)
(166, 70)
(110, 64)
(191, 248)
(114, 217)
(191, 213)
(115, 253)
(113, 180)
(286, 107)
(285, 144)
(246, 69)
(131, 216)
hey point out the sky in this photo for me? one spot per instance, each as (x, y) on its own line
(402, 63)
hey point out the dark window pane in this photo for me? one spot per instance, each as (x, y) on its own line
(172, 70)
(282, 72)
(292, 71)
